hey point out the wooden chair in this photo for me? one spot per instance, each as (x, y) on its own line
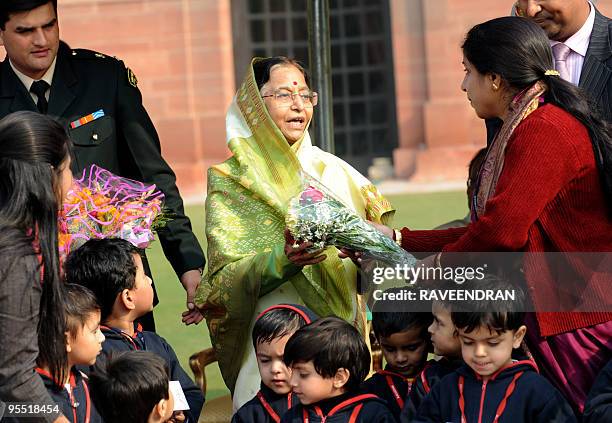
(376, 351)
(217, 410)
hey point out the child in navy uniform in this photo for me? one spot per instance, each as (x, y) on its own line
(446, 345)
(598, 406)
(404, 342)
(491, 386)
(83, 344)
(329, 360)
(272, 329)
(112, 269)
(133, 387)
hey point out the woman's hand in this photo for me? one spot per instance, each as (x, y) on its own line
(297, 254)
(385, 230)
(355, 256)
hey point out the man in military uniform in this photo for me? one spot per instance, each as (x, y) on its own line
(97, 100)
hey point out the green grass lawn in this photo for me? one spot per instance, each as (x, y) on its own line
(417, 211)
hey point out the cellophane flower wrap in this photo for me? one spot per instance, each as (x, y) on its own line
(104, 205)
(315, 215)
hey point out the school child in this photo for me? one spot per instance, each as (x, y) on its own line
(598, 406)
(272, 329)
(83, 344)
(446, 346)
(133, 387)
(404, 342)
(491, 386)
(329, 360)
(112, 268)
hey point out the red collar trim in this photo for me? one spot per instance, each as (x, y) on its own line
(340, 406)
(286, 307)
(509, 366)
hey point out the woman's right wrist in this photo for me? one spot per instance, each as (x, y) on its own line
(397, 236)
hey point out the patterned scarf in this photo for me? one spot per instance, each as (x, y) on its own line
(521, 106)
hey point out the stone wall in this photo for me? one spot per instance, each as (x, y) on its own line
(181, 52)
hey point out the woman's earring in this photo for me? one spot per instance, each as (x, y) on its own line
(495, 87)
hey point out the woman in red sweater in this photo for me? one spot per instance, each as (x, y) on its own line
(543, 187)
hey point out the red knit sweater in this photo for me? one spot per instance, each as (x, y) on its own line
(548, 198)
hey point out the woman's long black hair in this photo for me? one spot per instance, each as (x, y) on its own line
(519, 51)
(33, 148)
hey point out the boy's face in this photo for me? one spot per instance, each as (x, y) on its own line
(310, 387)
(443, 335)
(143, 289)
(486, 351)
(84, 346)
(405, 352)
(273, 371)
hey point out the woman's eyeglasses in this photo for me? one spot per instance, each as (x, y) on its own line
(286, 98)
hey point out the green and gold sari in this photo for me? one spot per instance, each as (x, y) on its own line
(247, 200)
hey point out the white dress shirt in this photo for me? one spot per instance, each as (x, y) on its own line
(27, 81)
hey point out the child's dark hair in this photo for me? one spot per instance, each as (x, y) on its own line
(278, 321)
(386, 323)
(389, 317)
(80, 304)
(106, 267)
(497, 316)
(331, 344)
(127, 386)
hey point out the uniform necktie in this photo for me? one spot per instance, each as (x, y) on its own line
(561, 52)
(40, 89)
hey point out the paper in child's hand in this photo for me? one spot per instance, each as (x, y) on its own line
(180, 402)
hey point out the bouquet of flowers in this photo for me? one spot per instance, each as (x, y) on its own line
(315, 215)
(104, 205)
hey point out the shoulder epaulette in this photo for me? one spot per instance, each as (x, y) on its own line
(82, 53)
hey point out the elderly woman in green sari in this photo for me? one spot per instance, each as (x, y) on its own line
(253, 262)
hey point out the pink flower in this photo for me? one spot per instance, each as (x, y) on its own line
(311, 195)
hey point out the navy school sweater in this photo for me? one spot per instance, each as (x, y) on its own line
(265, 407)
(346, 408)
(529, 398)
(116, 340)
(598, 406)
(432, 373)
(391, 387)
(75, 405)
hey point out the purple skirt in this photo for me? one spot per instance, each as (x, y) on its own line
(572, 360)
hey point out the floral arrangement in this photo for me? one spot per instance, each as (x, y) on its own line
(103, 205)
(316, 216)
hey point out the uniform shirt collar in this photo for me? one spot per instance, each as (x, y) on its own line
(27, 81)
(579, 42)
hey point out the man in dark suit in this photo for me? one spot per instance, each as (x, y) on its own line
(577, 28)
(97, 100)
